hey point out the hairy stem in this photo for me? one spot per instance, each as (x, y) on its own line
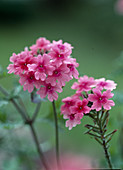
(57, 135)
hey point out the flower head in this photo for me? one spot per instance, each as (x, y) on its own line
(90, 95)
(45, 66)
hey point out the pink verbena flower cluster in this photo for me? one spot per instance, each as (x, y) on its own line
(46, 66)
(91, 95)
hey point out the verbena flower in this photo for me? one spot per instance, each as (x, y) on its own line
(28, 81)
(42, 67)
(91, 95)
(73, 120)
(72, 64)
(69, 101)
(46, 66)
(60, 76)
(101, 99)
(80, 107)
(59, 51)
(105, 84)
(20, 62)
(42, 45)
(48, 89)
(84, 84)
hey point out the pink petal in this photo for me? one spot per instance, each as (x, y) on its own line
(92, 97)
(108, 94)
(97, 106)
(42, 92)
(108, 104)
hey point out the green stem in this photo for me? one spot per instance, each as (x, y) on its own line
(36, 112)
(42, 158)
(22, 113)
(30, 123)
(107, 155)
(57, 135)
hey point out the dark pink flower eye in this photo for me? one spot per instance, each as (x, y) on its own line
(72, 117)
(80, 107)
(56, 72)
(68, 103)
(31, 77)
(49, 87)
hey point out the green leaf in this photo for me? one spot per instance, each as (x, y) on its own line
(98, 141)
(93, 135)
(88, 131)
(110, 134)
(105, 118)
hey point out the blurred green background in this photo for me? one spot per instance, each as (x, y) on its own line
(96, 31)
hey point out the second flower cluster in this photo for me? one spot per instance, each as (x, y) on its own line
(91, 96)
